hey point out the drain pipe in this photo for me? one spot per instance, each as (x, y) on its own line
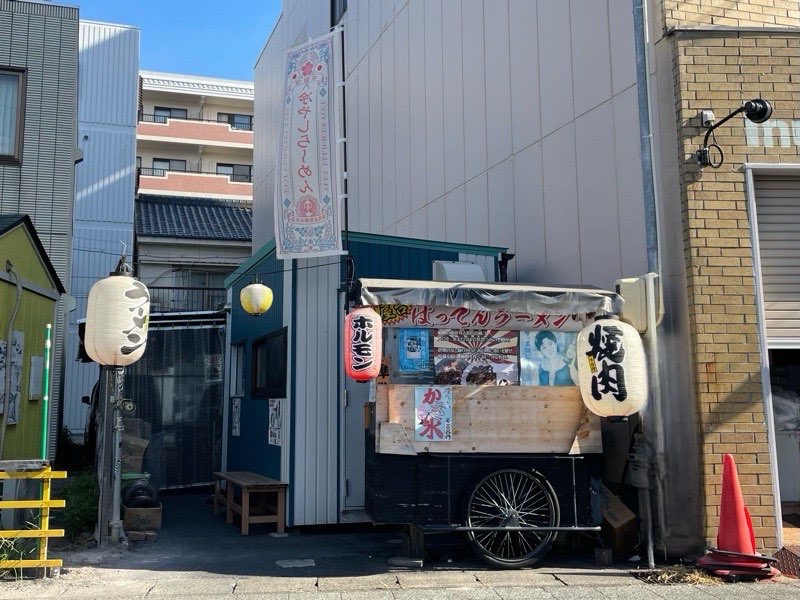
(653, 424)
(9, 334)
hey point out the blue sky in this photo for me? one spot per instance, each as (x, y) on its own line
(216, 39)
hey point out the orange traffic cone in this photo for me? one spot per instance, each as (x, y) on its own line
(735, 527)
(736, 555)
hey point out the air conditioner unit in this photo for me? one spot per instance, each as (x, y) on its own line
(444, 270)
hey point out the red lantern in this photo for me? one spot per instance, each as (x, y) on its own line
(363, 344)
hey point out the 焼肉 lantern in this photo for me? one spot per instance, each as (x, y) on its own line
(612, 368)
(116, 320)
(256, 298)
(363, 344)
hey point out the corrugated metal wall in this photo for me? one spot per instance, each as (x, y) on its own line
(104, 182)
(44, 39)
(316, 396)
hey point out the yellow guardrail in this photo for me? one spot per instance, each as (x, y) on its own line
(44, 533)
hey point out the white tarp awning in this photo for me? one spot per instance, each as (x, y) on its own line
(510, 297)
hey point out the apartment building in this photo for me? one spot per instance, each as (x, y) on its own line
(38, 151)
(194, 159)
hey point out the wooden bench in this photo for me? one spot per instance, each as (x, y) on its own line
(257, 485)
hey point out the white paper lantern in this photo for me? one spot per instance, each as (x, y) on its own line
(116, 321)
(612, 368)
(256, 299)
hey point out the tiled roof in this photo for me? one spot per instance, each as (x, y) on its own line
(193, 218)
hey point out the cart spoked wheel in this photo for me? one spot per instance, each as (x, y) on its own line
(515, 502)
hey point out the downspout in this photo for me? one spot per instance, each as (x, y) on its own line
(7, 391)
(653, 424)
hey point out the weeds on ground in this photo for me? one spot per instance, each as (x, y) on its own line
(80, 514)
(15, 549)
(678, 574)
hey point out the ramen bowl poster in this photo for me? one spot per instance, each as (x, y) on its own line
(476, 357)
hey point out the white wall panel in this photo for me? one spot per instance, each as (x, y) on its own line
(597, 198)
(464, 106)
(456, 214)
(591, 54)
(477, 200)
(498, 81)
(434, 99)
(453, 90)
(524, 73)
(555, 65)
(623, 47)
(633, 261)
(388, 148)
(529, 221)
(416, 91)
(563, 251)
(402, 115)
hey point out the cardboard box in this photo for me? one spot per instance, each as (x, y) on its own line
(133, 453)
(619, 527)
(142, 519)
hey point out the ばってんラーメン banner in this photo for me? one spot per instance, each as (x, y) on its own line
(306, 203)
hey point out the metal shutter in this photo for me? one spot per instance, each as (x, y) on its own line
(778, 213)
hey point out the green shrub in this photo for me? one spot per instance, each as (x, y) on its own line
(80, 514)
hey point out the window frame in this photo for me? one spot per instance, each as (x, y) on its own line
(230, 119)
(170, 110)
(232, 176)
(22, 77)
(238, 374)
(169, 161)
(266, 391)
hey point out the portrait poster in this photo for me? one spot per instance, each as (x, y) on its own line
(275, 422)
(433, 407)
(414, 350)
(476, 357)
(236, 417)
(548, 358)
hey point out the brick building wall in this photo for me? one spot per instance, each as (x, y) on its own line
(718, 68)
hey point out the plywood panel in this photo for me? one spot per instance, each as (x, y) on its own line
(500, 419)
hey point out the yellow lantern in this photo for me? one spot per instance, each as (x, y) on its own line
(256, 299)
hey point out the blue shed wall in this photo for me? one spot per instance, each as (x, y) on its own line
(250, 451)
(395, 262)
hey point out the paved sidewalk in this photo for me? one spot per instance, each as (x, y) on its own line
(199, 556)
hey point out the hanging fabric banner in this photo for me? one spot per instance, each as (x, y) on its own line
(306, 203)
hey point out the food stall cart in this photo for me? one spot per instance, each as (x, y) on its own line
(476, 422)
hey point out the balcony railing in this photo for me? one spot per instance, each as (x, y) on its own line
(153, 172)
(186, 299)
(146, 118)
